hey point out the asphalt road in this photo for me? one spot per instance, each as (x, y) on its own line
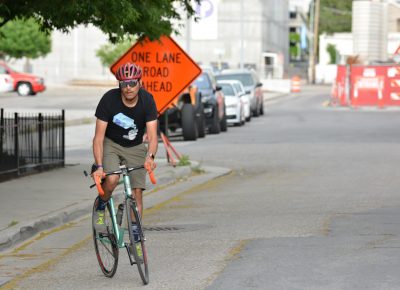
(312, 203)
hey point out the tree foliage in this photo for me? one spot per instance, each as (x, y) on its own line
(116, 18)
(294, 40)
(335, 16)
(331, 49)
(109, 53)
(23, 38)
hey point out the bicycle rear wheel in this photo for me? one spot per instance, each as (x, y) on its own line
(105, 244)
(138, 250)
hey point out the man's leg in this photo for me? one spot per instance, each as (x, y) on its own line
(110, 162)
(139, 200)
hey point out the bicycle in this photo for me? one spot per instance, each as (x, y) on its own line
(108, 243)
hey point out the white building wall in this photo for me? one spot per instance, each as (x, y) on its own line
(369, 28)
(343, 43)
(73, 56)
(226, 48)
(265, 27)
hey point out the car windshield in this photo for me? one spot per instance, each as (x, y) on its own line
(238, 88)
(202, 82)
(227, 89)
(245, 78)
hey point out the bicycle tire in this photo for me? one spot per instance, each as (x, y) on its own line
(105, 244)
(141, 260)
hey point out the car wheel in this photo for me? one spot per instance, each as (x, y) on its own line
(243, 118)
(215, 125)
(201, 122)
(189, 125)
(24, 89)
(255, 112)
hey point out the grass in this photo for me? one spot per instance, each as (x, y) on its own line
(184, 161)
(197, 170)
(12, 223)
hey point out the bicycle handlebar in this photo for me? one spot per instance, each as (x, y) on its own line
(97, 179)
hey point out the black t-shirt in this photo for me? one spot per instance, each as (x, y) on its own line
(126, 125)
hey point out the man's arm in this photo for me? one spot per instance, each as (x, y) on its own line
(151, 128)
(98, 140)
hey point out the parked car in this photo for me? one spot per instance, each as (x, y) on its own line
(186, 112)
(24, 84)
(245, 99)
(251, 84)
(214, 102)
(233, 103)
(6, 82)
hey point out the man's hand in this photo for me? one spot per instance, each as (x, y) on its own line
(98, 173)
(149, 163)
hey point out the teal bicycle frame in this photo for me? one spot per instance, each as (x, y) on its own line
(118, 230)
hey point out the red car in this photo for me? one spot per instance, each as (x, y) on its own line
(24, 84)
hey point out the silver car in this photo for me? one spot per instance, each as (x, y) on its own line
(251, 84)
(233, 103)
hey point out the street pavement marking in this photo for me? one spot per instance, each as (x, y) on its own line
(179, 196)
(232, 255)
(46, 265)
(39, 237)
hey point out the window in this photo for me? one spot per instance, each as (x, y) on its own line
(398, 25)
(227, 89)
(292, 14)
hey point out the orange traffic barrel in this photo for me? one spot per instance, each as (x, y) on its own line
(296, 84)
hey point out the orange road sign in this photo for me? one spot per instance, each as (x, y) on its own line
(167, 68)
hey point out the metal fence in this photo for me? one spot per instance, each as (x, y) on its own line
(30, 142)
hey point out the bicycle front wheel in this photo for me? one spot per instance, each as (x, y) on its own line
(105, 243)
(137, 249)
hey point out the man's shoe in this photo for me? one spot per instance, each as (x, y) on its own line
(99, 224)
(138, 251)
(135, 232)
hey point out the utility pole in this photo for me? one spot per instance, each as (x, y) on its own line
(241, 35)
(314, 52)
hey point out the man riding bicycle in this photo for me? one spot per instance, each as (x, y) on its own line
(123, 114)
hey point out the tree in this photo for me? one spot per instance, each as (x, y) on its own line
(294, 40)
(116, 18)
(22, 38)
(335, 16)
(109, 53)
(331, 49)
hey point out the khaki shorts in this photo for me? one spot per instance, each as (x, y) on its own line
(114, 154)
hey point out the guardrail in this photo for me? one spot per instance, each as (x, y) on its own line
(30, 143)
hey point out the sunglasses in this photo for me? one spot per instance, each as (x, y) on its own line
(131, 83)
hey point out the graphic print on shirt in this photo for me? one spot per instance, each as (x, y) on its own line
(126, 123)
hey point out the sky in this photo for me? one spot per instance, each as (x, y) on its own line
(302, 3)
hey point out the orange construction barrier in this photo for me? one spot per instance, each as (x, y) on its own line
(296, 84)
